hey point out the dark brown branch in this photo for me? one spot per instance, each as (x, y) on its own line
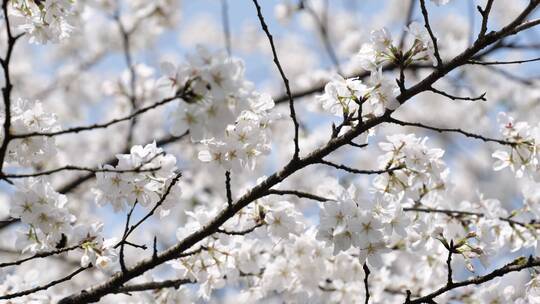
(101, 125)
(283, 77)
(517, 265)
(451, 130)
(502, 62)
(124, 237)
(8, 86)
(299, 194)
(366, 281)
(449, 280)
(431, 35)
(40, 255)
(228, 187)
(358, 145)
(356, 171)
(43, 287)
(84, 169)
(7, 222)
(241, 232)
(481, 97)
(485, 16)
(525, 25)
(153, 285)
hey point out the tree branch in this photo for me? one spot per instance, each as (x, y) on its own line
(481, 97)
(452, 130)
(431, 35)
(43, 287)
(517, 265)
(356, 171)
(40, 255)
(264, 26)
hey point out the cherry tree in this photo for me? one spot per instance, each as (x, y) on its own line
(288, 151)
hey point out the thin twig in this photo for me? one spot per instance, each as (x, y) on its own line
(43, 287)
(481, 97)
(502, 62)
(449, 263)
(357, 171)
(153, 285)
(99, 126)
(485, 16)
(264, 27)
(84, 169)
(241, 232)
(40, 255)
(8, 86)
(299, 194)
(124, 237)
(451, 130)
(517, 265)
(228, 188)
(366, 281)
(431, 35)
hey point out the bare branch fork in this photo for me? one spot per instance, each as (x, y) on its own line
(150, 213)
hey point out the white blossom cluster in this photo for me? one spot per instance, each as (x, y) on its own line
(220, 109)
(43, 209)
(97, 251)
(43, 20)
(349, 221)
(351, 97)
(421, 169)
(28, 117)
(523, 156)
(50, 225)
(143, 177)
